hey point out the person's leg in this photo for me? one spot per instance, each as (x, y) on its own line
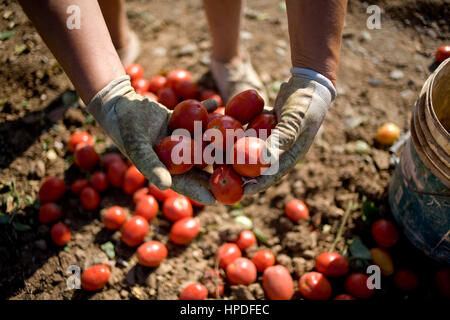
(115, 17)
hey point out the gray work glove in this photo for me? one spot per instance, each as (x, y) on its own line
(136, 124)
(300, 107)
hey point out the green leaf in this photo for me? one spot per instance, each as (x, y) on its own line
(359, 250)
(21, 227)
(7, 34)
(108, 248)
(244, 221)
(260, 235)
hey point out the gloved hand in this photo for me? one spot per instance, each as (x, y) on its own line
(136, 124)
(300, 108)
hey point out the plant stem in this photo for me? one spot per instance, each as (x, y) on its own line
(350, 207)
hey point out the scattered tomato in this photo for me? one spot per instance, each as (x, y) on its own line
(332, 264)
(168, 97)
(89, 198)
(141, 85)
(442, 53)
(184, 230)
(95, 277)
(344, 296)
(60, 234)
(52, 189)
(384, 233)
(211, 94)
(265, 121)
(49, 212)
(245, 106)
(194, 291)
(182, 144)
(78, 185)
(388, 133)
(114, 218)
(186, 114)
(99, 181)
(139, 193)
(79, 137)
(186, 90)
(161, 195)
(176, 76)
(383, 259)
(212, 116)
(248, 157)
(241, 271)
(135, 71)
(230, 130)
(177, 208)
(278, 283)
(116, 172)
(406, 280)
(134, 231)
(151, 96)
(157, 83)
(132, 180)
(356, 285)
(213, 282)
(151, 253)
(442, 280)
(227, 253)
(263, 259)
(85, 157)
(147, 207)
(196, 204)
(296, 210)
(109, 158)
(315, 286)
(226, 185)
(246, 239)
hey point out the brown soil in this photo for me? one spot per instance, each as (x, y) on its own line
(37, 117)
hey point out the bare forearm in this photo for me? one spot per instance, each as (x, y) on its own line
(87, 55)
(315, 31)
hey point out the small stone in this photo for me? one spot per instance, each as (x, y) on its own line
(124, 294)
(187, 50)
(245, 35)
(406, 94)
(159, 52)
(365, 36)
(396, 75)
(280, 51)
(375, 82)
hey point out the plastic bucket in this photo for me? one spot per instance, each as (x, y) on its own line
(419, 192)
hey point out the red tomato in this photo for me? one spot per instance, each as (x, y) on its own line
(139, 194)
(132, 180)
(263, 259)
(89, 198)
(196, 204)
(52, 189)
(135, 71)
(184, 230)
(344, 296)
(186, 113)
(177, 208)
(49, 212)
(442, 53)
(141, 85)
(406, 280)
(116, 172)
(262, 122)
(79, 137)
(220, 110)
(245, 106)
(211, 94)
(332, 264)
(185, 154)
(186, 90)
(60, 234)
(78, 185)
(227, 253)
(134, 231)
(315, 286)
(213, 282)
(230, 130)
(226, 185)
(85, 157)
(114, 218)
(99, 181)
(356, 285)
(157, 83)
(168, 97)
(382, 258)
(278, 283)
(200, 156)
(296, 210)
(241, 271)
(161, 195)
(151, 96)
(147, 207)
(248, 157)
(212, 116)
(109, 158)
(95, 277)
(246, 239)
(442, 280)
(151, 253)
(384, 233)
(194, 291)
(176, 76)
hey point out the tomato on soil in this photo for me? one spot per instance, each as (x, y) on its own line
(184, 230)
(263, 259)
(196, 204)
(442, 280)
(344, 296)
(241, 271)
(177, 208)
(356, 285)
(211, 94)
(79, 137)
(157, 83)
(109, 158)
(161, 195)
(194, 291)
(176, 76)
(406, 280)
(388, 133)
(442, 53)
(78, 185)
(116, 172)
(151, 96)
(186, 113)
(213, 282)
(246, 239)
(182, 144)
(186, 90)
(265, 121)
(315, 286)
(135, 71)
(226, 185)
(95, 278)
(49, 212)
(332, 264)
(168, 97)
(227, 253)
(99, 181)
(52, 189)
(383, 259)
(230, 130)
(132, 180)
(134, 231)
(248, 157)
(60, 234)
(245, 106)
(114, 218)
(147, 207)
(384, 233)
(151, 253)
(89, 198)
(140, 85)
(85, 157)
(296, 210)
(278, 283)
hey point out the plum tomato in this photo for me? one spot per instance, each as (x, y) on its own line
(248, 157)
(147, 207)
(151, 253)
(151, 96)
(116, 172)
(296, 210)
(177, 208)
(226, 254)
(212, 116)
(184, 230)
(315, 286)
(442, 53)
(406, 280)
(230, 130)
(356, 285)
(246, 239)
(134, 231)
(140, 193)
(186, 90)
(176, 76)
(211, 94)
(384, 233)
(383, 259)
(52, 189)
(387, 134)
(89, 198)
(241, 271)
(442, 281)
(332, 264)
(79, 137)
(140, 85)
(226, 185)
(278, 283)
(263, 259)
(78, 185)
(194, 291)
(168, 97)
(344, 296)
(114, 218)
(161, 195)
(49, 212)
(132, 180)
(109, 158)
(178, 162)
(85, 157)
(60, 234)
(157, 82)
(186, 113)
(135, 71)
(265, 121)
(213, 282)
(245, 106)
(95, 278)
(99, 181)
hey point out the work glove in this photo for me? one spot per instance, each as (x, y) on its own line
(136, 124)
(300, 108)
